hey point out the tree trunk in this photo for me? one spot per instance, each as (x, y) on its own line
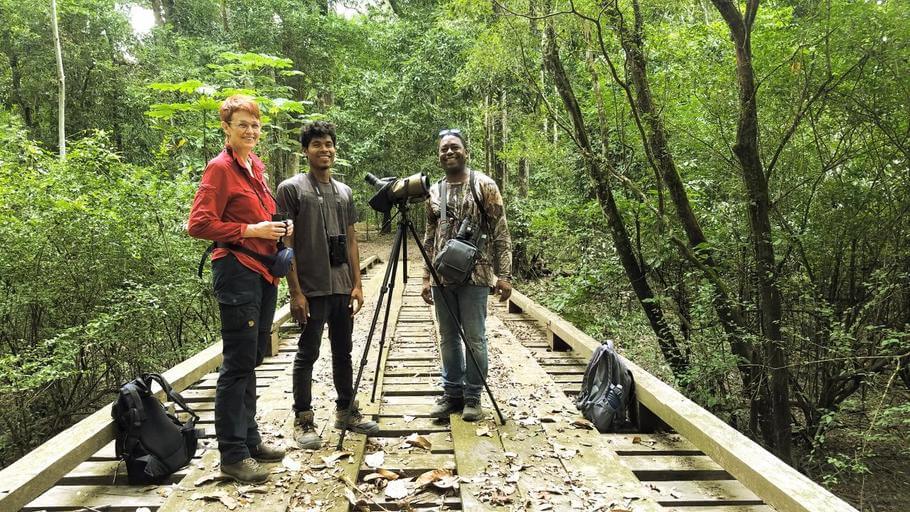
(746, 149)
(524, 174)
(158, 12)
(61, 84)
(634, 271)
(224, 16)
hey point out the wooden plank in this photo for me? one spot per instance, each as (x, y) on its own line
(648, 467)
(110, 472)
(474, 454)
(396, 427)
(108, 497)
(581, 456)
(702, 492)
(656, 444)
(775, 482)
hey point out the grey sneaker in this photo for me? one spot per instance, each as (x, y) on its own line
(306, 435)
(472, 410)
(267, 453)
(247, 471)
(446, 405)
(351, 420)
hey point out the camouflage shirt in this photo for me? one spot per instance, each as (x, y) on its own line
(495, 262)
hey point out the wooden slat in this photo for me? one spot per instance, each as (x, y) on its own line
(702, 492)
(118, 497)
(767, 476)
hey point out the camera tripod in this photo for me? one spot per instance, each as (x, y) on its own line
(400, 251)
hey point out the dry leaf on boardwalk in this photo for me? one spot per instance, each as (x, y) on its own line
(330, 460)
(431, 476)
(221, 496)
(398, 489)
(416, 439)
(290, 464)
(375, 460)
(210, 477)
(483, 431)
(583, 423)
(253, 489)
(408, 419)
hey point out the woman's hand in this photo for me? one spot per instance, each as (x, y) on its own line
(268, 230)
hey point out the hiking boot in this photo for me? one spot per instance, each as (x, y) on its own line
(267, 453)
(446, 405)
(472, 410)
(350, 419)
(247, 471)
(306, 435)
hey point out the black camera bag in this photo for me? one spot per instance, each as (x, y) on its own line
(152, 441)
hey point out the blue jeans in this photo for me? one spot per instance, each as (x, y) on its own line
(461, 377)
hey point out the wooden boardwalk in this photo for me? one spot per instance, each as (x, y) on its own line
(543, 458)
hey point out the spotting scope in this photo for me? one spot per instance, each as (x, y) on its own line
(391, 190)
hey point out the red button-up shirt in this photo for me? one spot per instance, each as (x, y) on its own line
(227, 201)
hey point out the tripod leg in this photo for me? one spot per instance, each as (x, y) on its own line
(445, 303)
(388, 307)
(383, 288)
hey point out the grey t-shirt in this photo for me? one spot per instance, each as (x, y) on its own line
(298, 198)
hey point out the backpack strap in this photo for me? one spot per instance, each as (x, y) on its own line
(170, 393)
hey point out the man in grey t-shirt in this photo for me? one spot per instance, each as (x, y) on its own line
(324, 281)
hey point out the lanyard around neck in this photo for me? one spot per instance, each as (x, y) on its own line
(339, 211)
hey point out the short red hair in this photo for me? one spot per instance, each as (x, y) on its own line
(238, 102)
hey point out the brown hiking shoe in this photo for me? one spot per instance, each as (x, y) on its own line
(267, 453)
(350, 419)
(247, 471)
(305, 433)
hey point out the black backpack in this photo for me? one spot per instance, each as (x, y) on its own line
(150, 439)
(607, 397)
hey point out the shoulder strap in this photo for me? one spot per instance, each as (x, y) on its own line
(170, 393)
(483, 211)
(443, 200)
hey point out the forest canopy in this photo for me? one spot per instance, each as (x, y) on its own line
(720, 186)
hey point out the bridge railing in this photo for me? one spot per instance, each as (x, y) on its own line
(36, 472)
(774, 481)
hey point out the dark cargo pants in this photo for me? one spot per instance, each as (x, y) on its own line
(247, 305)
(332, 310)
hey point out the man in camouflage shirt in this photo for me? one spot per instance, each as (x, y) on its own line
(462, 379)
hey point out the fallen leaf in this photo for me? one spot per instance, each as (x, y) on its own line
(253, 489)
(349, 494)
(547, 419)
(431, 476)
(398, 489)
(290, 464)
(448, 482)
(228, 502)
(310, 479)
(583, 423)
(408, 419)
(636, 440)
(416, 439)
(208, 496)
(206, 478)
(375, 460)
(331, 459)
(388, 475)
(484, 431)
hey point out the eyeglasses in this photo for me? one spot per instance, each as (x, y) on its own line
(247, 127)
(454, 131)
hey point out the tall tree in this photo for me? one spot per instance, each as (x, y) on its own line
(746, 148)
(61, 84)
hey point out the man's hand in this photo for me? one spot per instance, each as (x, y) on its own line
(300, 309)
(356, 296)
(427, 292)
(504, 289)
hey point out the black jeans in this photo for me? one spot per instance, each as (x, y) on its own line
(247, 305)
(331, 309)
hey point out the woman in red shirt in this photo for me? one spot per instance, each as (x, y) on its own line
(235, 206)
